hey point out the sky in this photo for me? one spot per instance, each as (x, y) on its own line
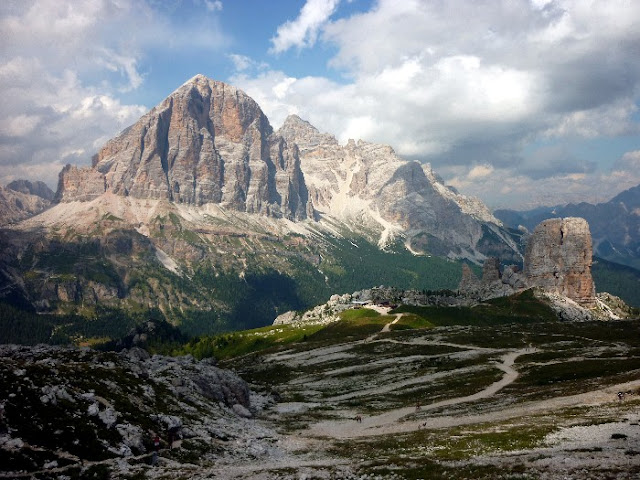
(518, 102)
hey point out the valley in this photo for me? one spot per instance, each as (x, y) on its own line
(379, 394)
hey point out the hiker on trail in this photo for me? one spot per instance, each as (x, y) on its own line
(620, 396)
(417, 406)
(156, 447)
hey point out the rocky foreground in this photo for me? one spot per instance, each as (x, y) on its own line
(77, 413)
(377, 398)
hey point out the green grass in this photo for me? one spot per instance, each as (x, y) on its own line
(357, 313)
(350, 330)
(410, 321)
(519, 308)
(229, 345)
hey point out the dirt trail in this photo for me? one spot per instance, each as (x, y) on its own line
(387, 327)
(388, 422)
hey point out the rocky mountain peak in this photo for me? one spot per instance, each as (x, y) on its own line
(208, 142)
(17, 203)
(306, 136)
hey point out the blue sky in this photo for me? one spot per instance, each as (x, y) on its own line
(518, 102)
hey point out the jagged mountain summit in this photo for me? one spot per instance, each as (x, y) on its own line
(201, 206)
(208, 142)
(370, 185)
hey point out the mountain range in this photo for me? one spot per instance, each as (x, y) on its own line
(203, 211)
(615, 225)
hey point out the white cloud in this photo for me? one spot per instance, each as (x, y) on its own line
(480, 171)
(303, 31)
(64, 65)
(507, 188)
(473, 90)
(240, 62)
(213, 5)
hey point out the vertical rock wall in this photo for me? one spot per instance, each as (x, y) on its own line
(558, 259)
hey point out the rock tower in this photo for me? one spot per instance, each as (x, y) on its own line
(558, 259)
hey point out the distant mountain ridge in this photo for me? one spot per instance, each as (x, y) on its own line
(367, 184)
(22, 199)
(615, 225)
(40, 189)
(209, 143)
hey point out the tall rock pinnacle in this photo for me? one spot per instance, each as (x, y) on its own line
(208, 142)
(558, 259)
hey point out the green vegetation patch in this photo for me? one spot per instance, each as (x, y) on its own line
(519, 308)
(350, 330)
(411, 321)
(357, 313)
(229, 345)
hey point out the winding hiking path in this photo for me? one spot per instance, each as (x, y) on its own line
(388, 422)
(387, 327)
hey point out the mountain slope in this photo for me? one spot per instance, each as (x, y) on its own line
(16, 205)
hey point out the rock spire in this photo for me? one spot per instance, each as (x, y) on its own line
(558, 258)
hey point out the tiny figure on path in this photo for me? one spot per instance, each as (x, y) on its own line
(620, 396)
(358, 419)
(417, 406)
(156, 447)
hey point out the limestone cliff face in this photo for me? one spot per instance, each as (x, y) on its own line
(558, 259)
(79, 184)
(208, 142)
(363, 180)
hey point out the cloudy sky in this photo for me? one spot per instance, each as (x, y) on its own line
(519, 102)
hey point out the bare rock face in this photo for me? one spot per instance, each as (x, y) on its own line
(368, 183)
(18, 205)
(79, 184)
(208, 142)
(39, 189)
(491, 270)
(469, 281)
(558, 259)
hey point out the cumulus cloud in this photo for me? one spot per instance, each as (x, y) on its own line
(473, 89)
(303, 31)
(63, 68)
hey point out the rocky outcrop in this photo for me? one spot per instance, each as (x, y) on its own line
(208, 142)
(614, 225)
(558, 259)
(79, 184)
(469, 281)
(491, 270)
(77, 405)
